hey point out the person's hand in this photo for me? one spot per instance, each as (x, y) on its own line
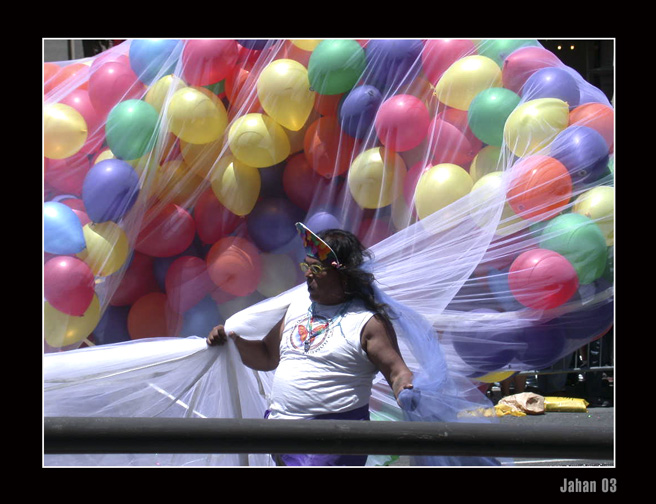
(218, 336)
(409, 398)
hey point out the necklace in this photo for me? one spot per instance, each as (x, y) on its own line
(319, 324)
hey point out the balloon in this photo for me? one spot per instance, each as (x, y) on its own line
(580, 241)
(213, 220)
(488, 113)
(532, 125)
(239, 88)
(598, 204)
(439, 186)
(67, 175)
(196, 115)
(71, 75)
(402, 122)
(159, 93)
(283, 89)
(500, 49)
(208, 61)
(131, 129)
(336, 66)
(322, 220)
(584, 152)
(552, 82)
(279, 273)
(328, 150)
(138, 280)
(543, 344)
(50, 70)
(167, 231)
(465, 78)
(62, 230)
(150, 318)
(110, 190)
(597, 116)
(540, 187)
(523, 62)
(61, 329)
(111, 83)
(439, 54)
(300, 182)
(187, 283)
(234, 265)
(358, 110)
(487, 160)
(446, 143)
(113, 326)
(236, 185)
(68, 285)
(271, 223)
(494, 376)
(376, 177)
(201, 318)
(486, 194)
(80, 101)
(64, 131)
(542, 279)
(107, 248)
(391, 63)
(150, 59)
(257, 140)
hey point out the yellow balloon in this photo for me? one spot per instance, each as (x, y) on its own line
(64, 131)
(236, 185)
(487, 193)
(106, 153)
(196, 115)
(283, 89)
(495, 376)
(487, 160)
(257, 140)
(375, 178)
(598, 204)
(61, 329)
(439, 186)
(307, 44)
(107, 247)
(465, 78)
(534, 124)
(160, 91)
(201, 158)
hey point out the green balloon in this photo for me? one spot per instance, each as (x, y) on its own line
(336, 66)
(488, 112)
(580, 241)
(131, 129)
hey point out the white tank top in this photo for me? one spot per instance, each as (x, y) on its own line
(323, 367)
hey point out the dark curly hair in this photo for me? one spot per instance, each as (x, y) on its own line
(352, 254)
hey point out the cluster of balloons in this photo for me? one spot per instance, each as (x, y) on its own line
(174, 171)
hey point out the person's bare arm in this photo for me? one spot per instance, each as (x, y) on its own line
(261, 355)
(379, 341)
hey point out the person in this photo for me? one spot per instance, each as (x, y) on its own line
(328, 347)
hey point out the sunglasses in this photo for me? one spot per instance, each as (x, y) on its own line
(315, 269)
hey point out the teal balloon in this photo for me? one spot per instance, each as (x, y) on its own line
(499, 49)
(580, 241)
(151, 59)
(131, 129)
(335, 66)
(488, 112)
(62, 230)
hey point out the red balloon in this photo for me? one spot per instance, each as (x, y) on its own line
(540, 188)
(139, 279)
(67, 175)
(167, 231)
(68, 285)
(542, 279)
(300, 181)
(238, 88)
(149, 317)
(524, 62)
(328, 150)
(439, 54)
(207, 62)
(402, 122)
(187, 283)
(213, 220)
(112, 83)
(234, 265)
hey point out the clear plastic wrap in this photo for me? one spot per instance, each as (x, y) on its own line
(480, 173)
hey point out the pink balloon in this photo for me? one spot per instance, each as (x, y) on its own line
(67, 175)
(112, 83)
(167, 231)
(524, 62)
(187, 283)
(438, 55)
(68, 285)
(234, 265)
(411, 180)
(402, 122)
(542, 279)
(139, 279)
(213, 220)
(448, 144)
(207, 62)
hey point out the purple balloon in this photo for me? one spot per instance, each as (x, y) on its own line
(552, 82)
(113, 326)
(583, 151)
(543, 344)
(271, 224)
(357, 111)
(322, 220)
(391, 63)
(110, 189)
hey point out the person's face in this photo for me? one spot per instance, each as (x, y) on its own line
(325, 286)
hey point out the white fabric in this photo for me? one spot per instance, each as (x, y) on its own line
(334, 374)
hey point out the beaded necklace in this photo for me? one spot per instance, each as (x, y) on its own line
(318, 324)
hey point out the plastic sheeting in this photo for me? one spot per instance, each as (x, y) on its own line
(479, 172)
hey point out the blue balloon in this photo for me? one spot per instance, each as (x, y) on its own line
(109, 190)
(271, 224)
(254, 45)
(552, 82)
(323, 220)
(391, 63)
(151, 59)
(543, 344)
(358, 109)
(113, 326)
(201, 318)
(584, 152)
(62, 230)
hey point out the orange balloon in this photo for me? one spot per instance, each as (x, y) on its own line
(234, 265)
(240, 91)
(328, 150)
(49, 71)
(75, 72)
(597, 116)
(149, 317)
